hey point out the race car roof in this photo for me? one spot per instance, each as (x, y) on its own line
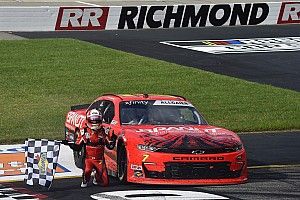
(128, 97)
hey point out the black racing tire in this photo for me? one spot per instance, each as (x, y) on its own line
(122, 164)
(78, 155)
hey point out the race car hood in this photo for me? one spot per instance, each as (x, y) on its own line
(186, 138)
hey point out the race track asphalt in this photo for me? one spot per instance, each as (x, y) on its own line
(280, 69)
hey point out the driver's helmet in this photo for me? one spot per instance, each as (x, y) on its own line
(94, 119)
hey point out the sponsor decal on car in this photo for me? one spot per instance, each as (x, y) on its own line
(75, 119)
(251, 45)
(146, 156)
(136, 167)
(289, 13)
(158, 130)
(138, 173)
(129, 103)
(197, 158)
(137, 170)
(82, 18)
(172, 103)
(216, 131)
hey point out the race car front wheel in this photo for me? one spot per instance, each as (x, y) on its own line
(122, 164)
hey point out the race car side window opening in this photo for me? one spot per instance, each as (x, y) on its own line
(139, 113)
(106, 108)
(109, 112)
(97, 105)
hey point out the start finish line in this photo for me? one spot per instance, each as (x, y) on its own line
(251, 45)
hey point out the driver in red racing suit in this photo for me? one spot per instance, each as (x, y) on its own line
(93, 139)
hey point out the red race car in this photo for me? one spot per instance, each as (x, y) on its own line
(162, 139)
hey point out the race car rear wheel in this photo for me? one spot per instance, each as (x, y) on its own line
(122, 164)
(78, 155)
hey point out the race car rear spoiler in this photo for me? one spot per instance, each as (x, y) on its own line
(79, 107)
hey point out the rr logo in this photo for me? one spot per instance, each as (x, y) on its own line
(81, 18)
(289, 13)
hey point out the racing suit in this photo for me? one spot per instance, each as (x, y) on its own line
(94, 142)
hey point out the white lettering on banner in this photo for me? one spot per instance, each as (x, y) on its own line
(155, 194)
(255, 45)
(81, 18)
(67, 17)
(289, 13)
(84, 16)
(138, 17)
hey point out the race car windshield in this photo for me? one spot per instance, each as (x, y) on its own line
(159, 113)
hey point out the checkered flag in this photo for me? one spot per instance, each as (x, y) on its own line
(41, 158)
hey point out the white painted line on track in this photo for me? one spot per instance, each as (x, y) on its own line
(273, 166)
(86, 3)
(156, 194)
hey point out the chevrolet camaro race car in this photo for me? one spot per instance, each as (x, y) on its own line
(162, 139)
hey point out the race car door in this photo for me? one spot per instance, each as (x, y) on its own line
(111, 128)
